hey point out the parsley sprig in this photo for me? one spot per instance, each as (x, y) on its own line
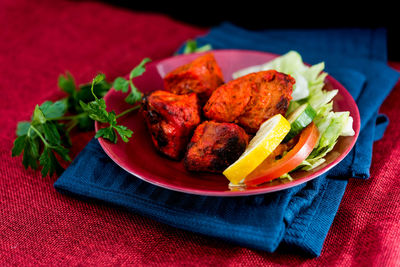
(43, 128)
(76, 94)
(122, 84)
(44, 141)
(191, 46)
(96, 110)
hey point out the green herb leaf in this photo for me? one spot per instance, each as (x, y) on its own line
(67, 83)
(47, 132)
(139, 69)
(62, 152)
(203, 48)
(51, 133)
(99, 78)
(107, 133)
(19, 144)
(100, 89)
(134, 96)
(23, 128)
(31, 153)
(38, 116)
(124, 132)
(191, 47)
(96, 110)
(54, 110)
(121, 84)
(50, 163)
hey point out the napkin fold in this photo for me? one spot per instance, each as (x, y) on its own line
(298, 218)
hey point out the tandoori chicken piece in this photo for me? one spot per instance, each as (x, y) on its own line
(252, 99)
(214, 146)
(201, 76)
(171, 120)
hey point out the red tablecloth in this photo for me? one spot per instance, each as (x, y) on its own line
(40, 40)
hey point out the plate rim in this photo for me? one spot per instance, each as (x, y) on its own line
(257, 191)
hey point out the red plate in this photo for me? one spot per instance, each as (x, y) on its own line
(140, 158)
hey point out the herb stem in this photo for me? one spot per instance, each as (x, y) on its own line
(40, 135)
(132, 86)
(127, 111)
(64, 118)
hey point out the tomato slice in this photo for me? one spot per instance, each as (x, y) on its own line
(269, 170)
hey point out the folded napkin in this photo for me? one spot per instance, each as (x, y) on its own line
(297, 218)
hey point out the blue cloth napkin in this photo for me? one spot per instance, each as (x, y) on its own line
(298, 218)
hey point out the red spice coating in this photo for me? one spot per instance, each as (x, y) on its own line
(171, 119)
(252, 99)
(214, 146)
(201, 76)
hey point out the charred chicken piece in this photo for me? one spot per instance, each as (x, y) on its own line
(252, 99)
(214, 146)
(171, 120)
(201, 76)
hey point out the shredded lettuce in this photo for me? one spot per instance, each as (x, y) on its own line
(310, 81)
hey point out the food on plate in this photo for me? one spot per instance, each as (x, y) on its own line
(214, 146)
(267, 139)
(311, 105)
(267, 122)
(171, 120)
(252, 99)
(286, 158)
(201, 76)
(299, 119)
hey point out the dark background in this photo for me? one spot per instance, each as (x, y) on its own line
(282, 14)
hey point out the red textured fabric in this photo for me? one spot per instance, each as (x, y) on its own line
(39, 226)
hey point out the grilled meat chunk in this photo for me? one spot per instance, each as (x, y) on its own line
(252, 99)
(171, 120)
(214, 146)
(201, 76)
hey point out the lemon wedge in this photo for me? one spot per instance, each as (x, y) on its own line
(267, 138)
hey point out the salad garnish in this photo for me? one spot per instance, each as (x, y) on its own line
(309, 90)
